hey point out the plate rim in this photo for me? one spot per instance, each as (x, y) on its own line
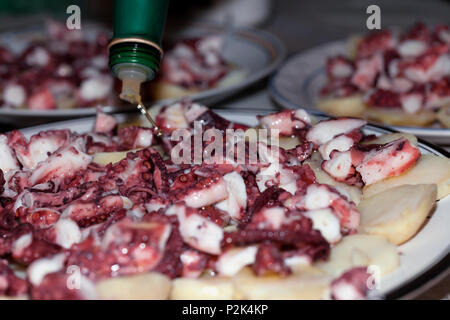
(407, 290)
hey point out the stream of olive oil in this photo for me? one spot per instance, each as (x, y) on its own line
(131, 93)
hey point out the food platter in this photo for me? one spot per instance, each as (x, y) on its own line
(255, 52)
(422, 258)
(298, 82)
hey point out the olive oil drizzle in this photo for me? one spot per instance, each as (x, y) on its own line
(131, 93)
(145, 112)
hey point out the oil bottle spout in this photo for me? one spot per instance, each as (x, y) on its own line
(132, 76)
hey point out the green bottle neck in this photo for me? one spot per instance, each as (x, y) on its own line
(138, 30)
(141, 55)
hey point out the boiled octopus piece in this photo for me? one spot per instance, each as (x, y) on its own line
(326, 130)
(287, 122)
(351, 285)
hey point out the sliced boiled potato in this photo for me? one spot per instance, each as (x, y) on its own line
(444, 116)
(289, 142)
(361, 250)
(385, 138)
(397, 213)
(104, 158)
(352, 106)
(396, 117)
(309, 284)
(14, 298)
(163, 90)
(202, 289)
(251, 135)
(430, 169)
(148, 286)
(351, 192)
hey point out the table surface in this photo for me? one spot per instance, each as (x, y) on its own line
(301, 25)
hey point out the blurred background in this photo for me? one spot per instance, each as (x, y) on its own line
(300, 24)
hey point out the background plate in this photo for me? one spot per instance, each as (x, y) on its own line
(421, 259)
(256, 52)
(299, 80)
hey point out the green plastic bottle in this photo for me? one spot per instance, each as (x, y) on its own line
(135, 50)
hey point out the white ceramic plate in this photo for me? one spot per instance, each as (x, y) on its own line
(299, 80)
(422, 258)
(255, 52)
